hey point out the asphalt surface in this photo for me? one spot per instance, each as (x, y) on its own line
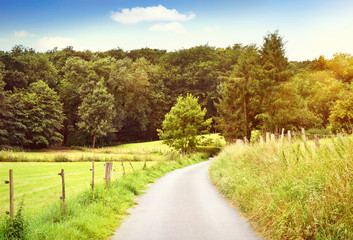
(184, 205)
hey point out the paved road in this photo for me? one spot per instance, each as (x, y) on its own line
(184, 205)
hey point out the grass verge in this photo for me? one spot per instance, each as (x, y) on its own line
(95, 217)
(290, 191)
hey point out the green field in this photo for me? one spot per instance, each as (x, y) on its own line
(290, 191)
(36, 177)
(38, 183)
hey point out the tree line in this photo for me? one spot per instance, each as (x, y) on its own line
(72, 97)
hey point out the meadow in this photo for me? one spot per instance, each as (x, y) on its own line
(290, 190)
(38, 183)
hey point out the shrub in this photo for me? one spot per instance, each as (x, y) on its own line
(62, 158)
(14, 228)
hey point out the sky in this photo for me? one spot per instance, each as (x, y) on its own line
(310, 28)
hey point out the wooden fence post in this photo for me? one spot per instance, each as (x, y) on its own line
(108, 170)
(282, 134)
(273, 138)
(63, 189)
(316, 139)
(122, 164)
(92, 178)
(303, 134)
(267, 137)
(289, 137)
(11, 193)
(116, 175)
(131, 166)
(261, 140)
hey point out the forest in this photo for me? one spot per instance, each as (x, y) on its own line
(68, 97)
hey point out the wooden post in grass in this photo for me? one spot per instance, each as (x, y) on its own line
(92, 178)
(267, 137)
(273, 138)
(316, 139)
(122, 164)
(282, 134)
(11, 193)
(261, 140)
(303, 134)
(108, 170)
(131, 166)
(289, 137)
(63, 189)
(116, 175)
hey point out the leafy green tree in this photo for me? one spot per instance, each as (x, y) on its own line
(275, 70)
(184, 123)
(238, 101)
(96, 112)
(320, 89)
(129, 83)
(5, 108)
(342, 112)
(38, 116)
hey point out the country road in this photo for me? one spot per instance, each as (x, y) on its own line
(184, 205)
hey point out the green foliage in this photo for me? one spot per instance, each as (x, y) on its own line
(15, 228)
(184, 123)
(96, 112)
(242, 87)
(342, 112)
(238, 101)
(37, 117)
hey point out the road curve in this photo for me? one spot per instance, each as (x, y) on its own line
(184, 205)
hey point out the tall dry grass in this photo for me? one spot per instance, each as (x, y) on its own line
(291, 191)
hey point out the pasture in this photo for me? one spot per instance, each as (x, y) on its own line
(36, 179)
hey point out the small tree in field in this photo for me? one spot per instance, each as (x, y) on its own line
(183, 123)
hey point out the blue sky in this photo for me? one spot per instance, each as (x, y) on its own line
(311, 28)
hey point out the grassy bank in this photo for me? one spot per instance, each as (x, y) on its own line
(95, 217)
(290, 191)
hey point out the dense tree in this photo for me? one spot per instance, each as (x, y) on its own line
(96, 112)
(5, 109)
(38, 116)
(275, 70)
(129, 83)
(341, 116)
(238, 101)
(184, 123)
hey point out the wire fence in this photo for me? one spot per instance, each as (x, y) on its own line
(77, 181)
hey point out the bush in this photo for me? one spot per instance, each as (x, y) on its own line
(14, 228)
(319, 131)
(62, 158)
(210, 150)
(211, 140)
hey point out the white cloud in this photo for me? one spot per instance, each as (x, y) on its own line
(168, 27)
(23, 34)
(155, 13)
(48, 43)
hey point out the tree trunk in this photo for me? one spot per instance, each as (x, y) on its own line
(94, 141)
